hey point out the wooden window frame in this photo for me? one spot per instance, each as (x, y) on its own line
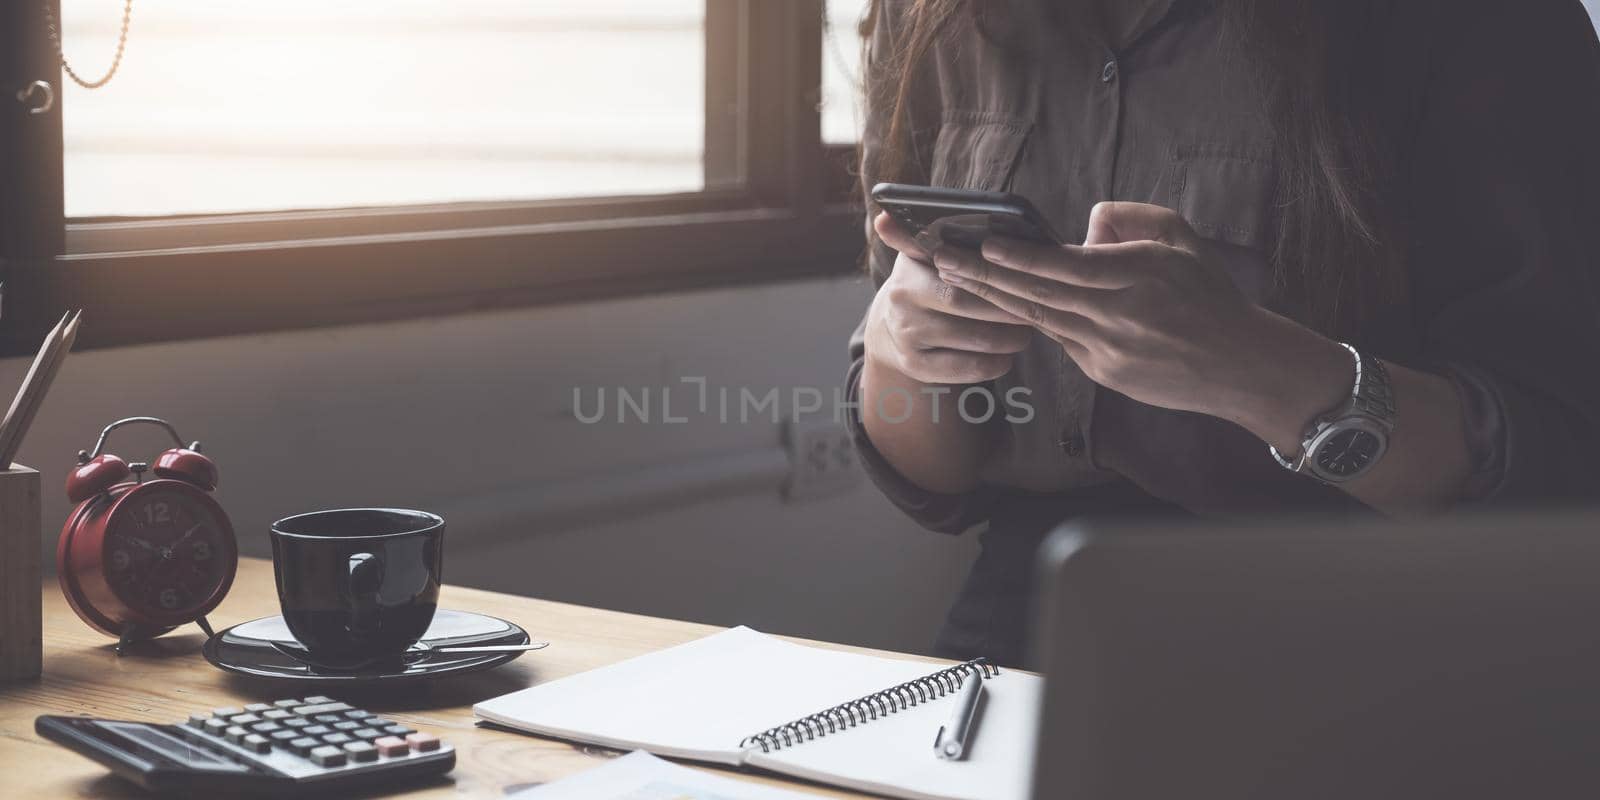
(777, 206)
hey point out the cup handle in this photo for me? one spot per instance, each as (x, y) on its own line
(366, 575)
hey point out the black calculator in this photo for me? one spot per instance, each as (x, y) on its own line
(290, 746)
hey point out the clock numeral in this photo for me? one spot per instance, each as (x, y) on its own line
(201, 551)
(169, 598)
(120, 560)
(157, 513)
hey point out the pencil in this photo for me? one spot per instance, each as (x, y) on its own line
(52, 353)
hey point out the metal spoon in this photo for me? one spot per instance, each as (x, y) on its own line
(424, 647)
(303, 656)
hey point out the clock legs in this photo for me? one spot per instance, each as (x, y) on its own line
(132, 632)
(135, 633)
(206, 626)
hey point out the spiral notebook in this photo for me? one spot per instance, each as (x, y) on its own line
(743, 698)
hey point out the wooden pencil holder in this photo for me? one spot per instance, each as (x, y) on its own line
(21, 644)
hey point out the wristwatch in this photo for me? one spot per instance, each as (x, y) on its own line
(1346, 442)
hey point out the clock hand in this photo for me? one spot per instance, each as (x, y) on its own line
(1346, 449)
(142, 543)
(187, 534)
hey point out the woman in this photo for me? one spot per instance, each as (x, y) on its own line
(1417, 180)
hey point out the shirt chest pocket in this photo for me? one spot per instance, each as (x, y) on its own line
(978, 150)
(1225, 192)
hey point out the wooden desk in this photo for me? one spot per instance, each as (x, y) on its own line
(164, 680)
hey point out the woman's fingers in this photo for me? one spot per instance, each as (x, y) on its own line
(970, 271)
(1114, 221)
(1057, 323)
(944, 331)
(916, 283)
(896, 236)
(1108, 266)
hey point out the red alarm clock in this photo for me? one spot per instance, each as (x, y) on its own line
(139, 557)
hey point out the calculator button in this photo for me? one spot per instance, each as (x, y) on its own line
(226, 712)
(244, 719)
(327, 756)
(256, 708)
(313, 700)
(293, 703)
(337, 738)
(347, 725)
(365, 734)
(316, 730)
(392, 746)
(256, 743)
(275, 713)
(423, 742)
(356, 713)
(284, 735)
(266, 727)
(198, 720)
(295, 722)
(361, 751)
(327, 719)
(235, 733)
(398, 730)
(304, 745)
(321, 708)
(215, 726)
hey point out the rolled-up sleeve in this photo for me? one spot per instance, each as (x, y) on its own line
(1505, 255)
(945, 513)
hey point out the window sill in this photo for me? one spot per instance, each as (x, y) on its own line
(203, 290)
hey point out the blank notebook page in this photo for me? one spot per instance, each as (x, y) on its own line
(699, 699)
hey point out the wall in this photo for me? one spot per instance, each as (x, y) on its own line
(472, 416)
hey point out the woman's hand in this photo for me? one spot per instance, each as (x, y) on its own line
(922, 331)
(931, 332)
(1145, 308)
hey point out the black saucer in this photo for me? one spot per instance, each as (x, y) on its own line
(245, 649)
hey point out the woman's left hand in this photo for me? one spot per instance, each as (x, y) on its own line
(1145, 308)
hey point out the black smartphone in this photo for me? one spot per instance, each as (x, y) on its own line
(962, 217)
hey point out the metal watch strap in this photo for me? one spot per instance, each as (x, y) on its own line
(1370, 396)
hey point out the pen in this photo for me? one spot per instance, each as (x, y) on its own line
(951, 741)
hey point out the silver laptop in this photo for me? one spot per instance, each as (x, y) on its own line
(1455, 658)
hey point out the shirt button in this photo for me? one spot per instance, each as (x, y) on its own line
(1109, 73)
(1072, 444)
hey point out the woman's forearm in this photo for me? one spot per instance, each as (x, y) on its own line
(918, 429)
(1427, 464)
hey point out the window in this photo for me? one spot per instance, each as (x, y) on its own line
(841, 71)
(303, 163)
(248, 106)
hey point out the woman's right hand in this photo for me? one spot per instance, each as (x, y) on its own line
(932, 332)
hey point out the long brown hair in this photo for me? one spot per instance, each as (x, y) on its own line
(1337, 256)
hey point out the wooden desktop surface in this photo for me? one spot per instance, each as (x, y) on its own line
(166, 679)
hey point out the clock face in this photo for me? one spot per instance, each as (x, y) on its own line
(168, 550)
(1348, 452)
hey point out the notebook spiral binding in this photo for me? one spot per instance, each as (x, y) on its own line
(865, 709)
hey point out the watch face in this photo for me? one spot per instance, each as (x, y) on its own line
(1348, 452)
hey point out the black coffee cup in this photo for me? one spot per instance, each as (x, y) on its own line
(358, 585)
